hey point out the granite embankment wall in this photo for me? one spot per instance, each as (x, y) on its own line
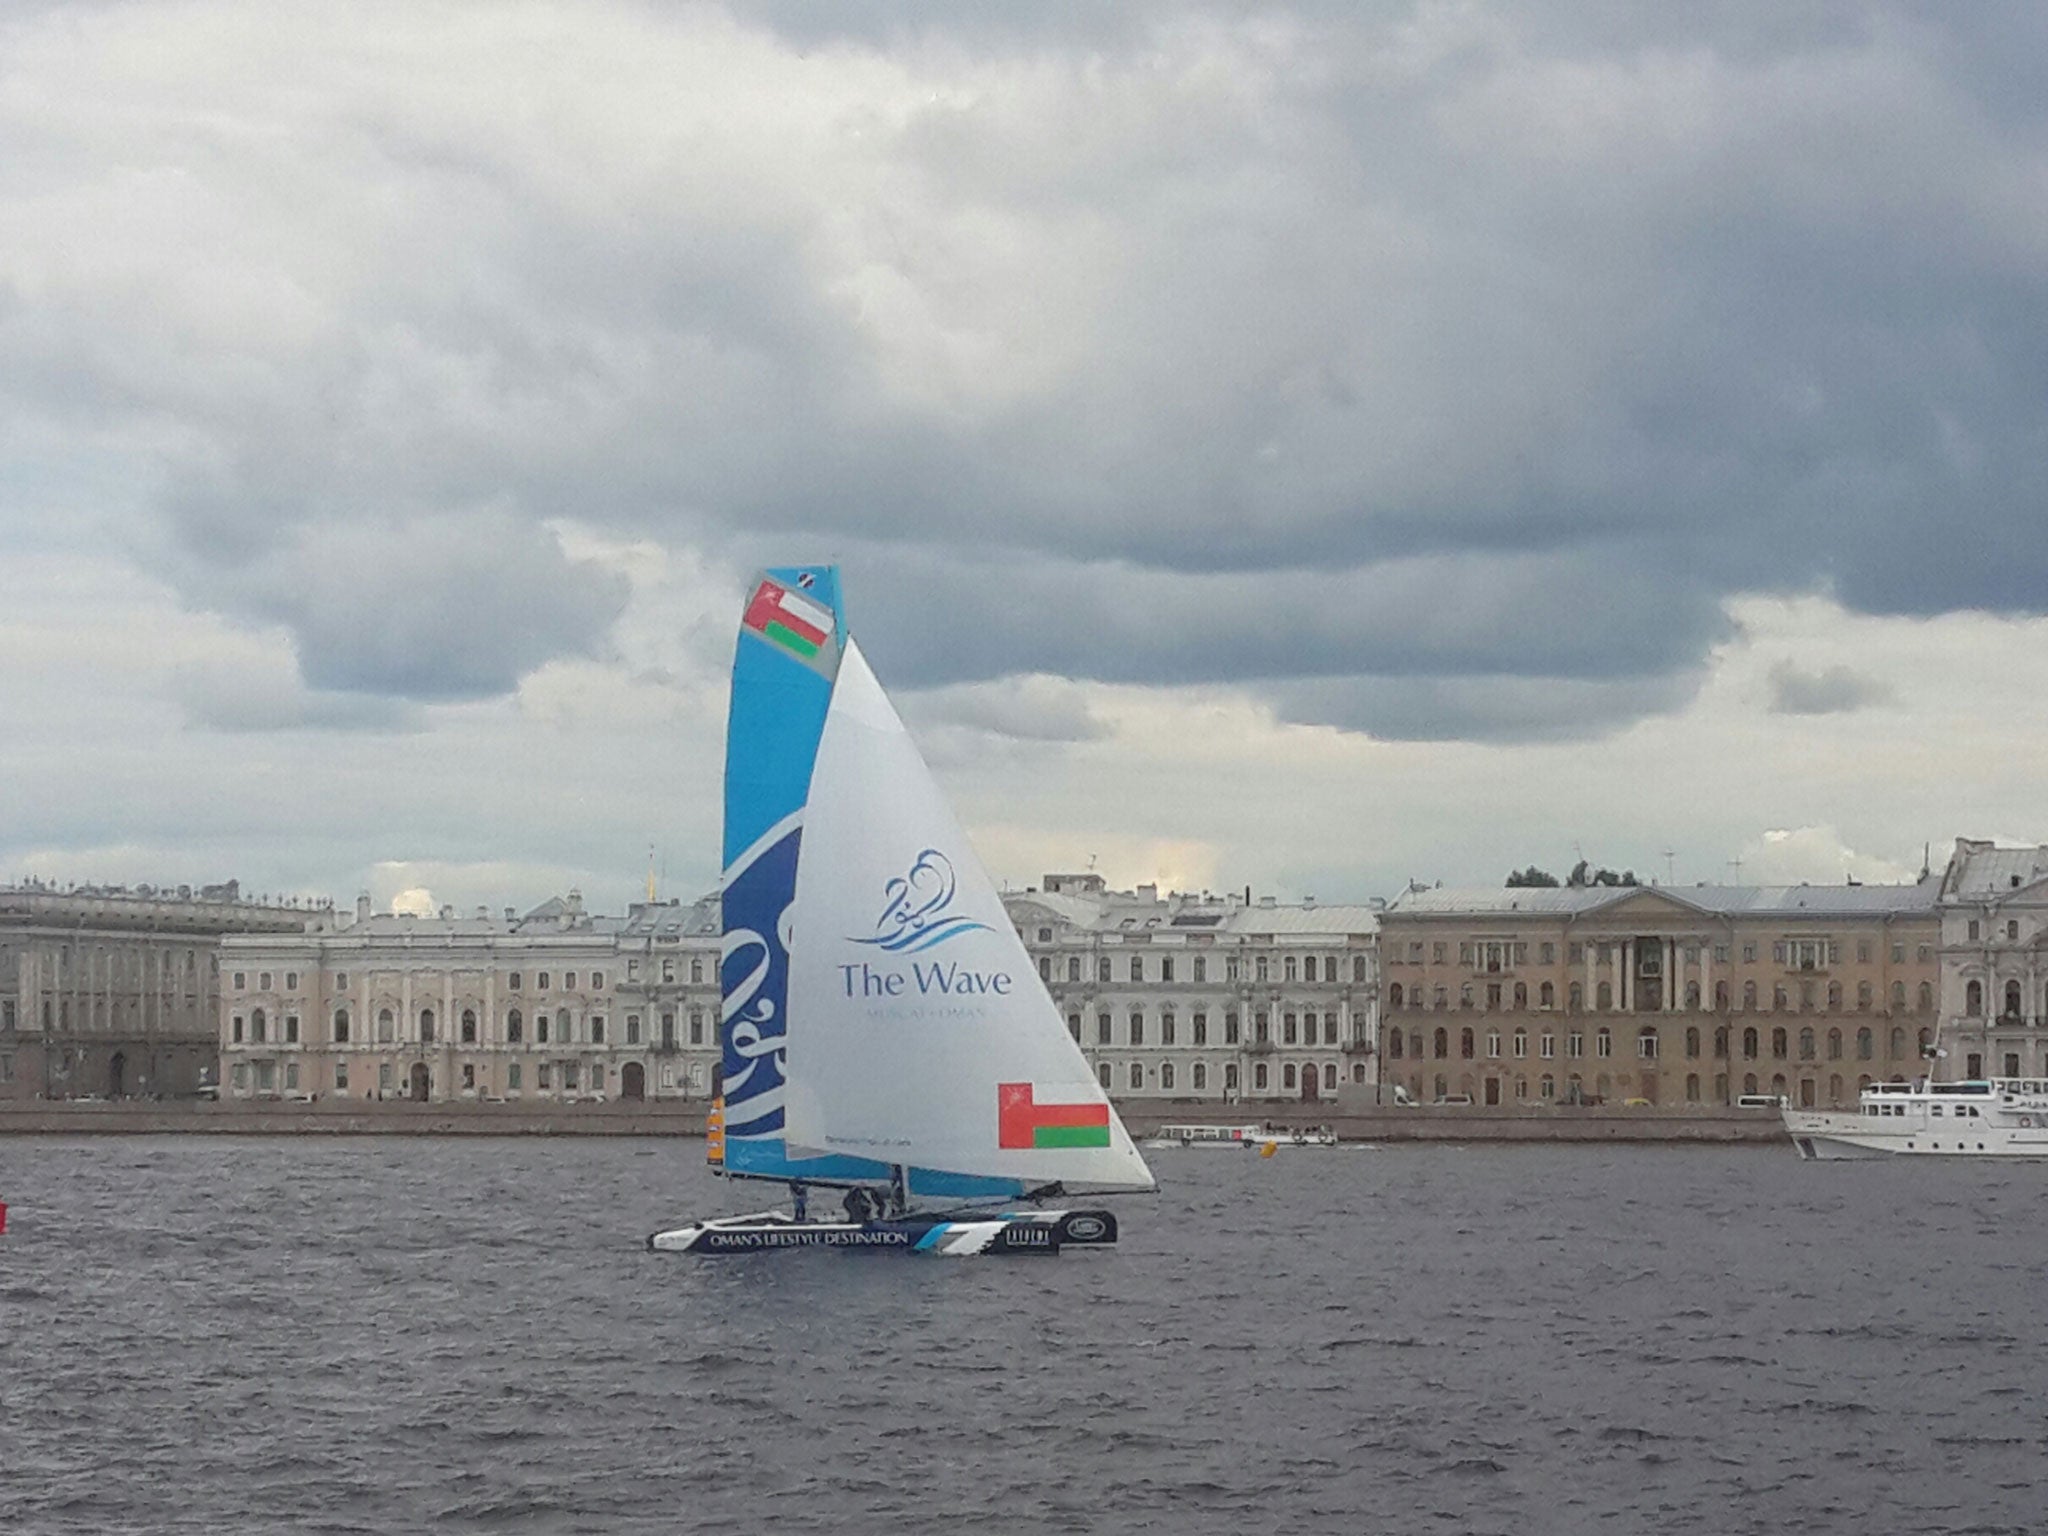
(355, 1117)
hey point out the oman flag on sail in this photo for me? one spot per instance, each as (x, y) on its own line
(788, 619)
(1022, 1123)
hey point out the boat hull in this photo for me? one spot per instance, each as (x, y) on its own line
(1009, 1233)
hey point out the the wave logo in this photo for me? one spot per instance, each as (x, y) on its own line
(915, 909)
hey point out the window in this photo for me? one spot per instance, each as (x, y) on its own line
(1102, 968)
(1546, 1045)
(1779, 1042)
(2012, 931)
(291, 981)
(1073, 967)
(1102, 1074)
(469, 1026)
(569, 1079)
(1493, 1044)
(242, 981)
(1834, 1045)
(1692, 1044)
(1575, 1044)
(1166, 1028)
(1465, 1044)
(1866, 1044)
(512, 1077)
(1442, 1043)
(668, 1030)
(1045, 969)
(632, 1029)
(1201, 974)
(512, 982)
(597, 981)
(1521, 1044)
(1137, 967)
(1137, 1074)
(291, 1029)
(1577, 998)
(540, 1029)
(1290, 971)
(1137, 1027)
(1261, 1078)
(1230, 1077)
(597, 1029)
(1973, 935)
(1603, 1043)
(341, 1026)
(1288, 1030)
(1201, 1025)
(515, 1027)
(341, 1076)
(1806, 1044)
(1973, 997)
(1200, 1077)
(1394, 1051)
(1074, 1027)
(426, 1026)
(697, 971)
(543, 1075)
(1394, 996)
(541, 981)
(1166, 974)
(235, 1027)
(387, 1026)
(1102, 1029)
(1230, 1029)
(469, 1076)
(668, 968)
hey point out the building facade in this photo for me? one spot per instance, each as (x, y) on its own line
(555, 1005)
(1994, 962)
(1691, 995)
(1206, 998)
(113, 992)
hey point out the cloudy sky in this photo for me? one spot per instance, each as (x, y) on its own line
(1301, 446)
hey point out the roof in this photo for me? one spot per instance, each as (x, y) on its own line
(1718, 900)
(1129, 912)
(1980, 872)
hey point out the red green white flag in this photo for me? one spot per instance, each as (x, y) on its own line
(1022, 1123)
(788, 619)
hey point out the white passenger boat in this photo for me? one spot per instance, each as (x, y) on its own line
(1998, 1117)
(1253, 1136)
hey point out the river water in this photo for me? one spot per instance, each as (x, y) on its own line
(384, 1334)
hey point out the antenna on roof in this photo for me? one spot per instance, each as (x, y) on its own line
(1669, 877)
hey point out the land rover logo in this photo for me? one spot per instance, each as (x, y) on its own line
(1085, 1229)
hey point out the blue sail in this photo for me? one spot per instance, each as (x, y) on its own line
(791, 635)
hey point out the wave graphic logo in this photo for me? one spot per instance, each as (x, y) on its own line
(914, 909)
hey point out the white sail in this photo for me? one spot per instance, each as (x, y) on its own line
(919, 1032)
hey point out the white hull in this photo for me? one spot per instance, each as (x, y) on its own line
(1238, 1137)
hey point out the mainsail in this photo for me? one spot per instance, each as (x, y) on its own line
(919, 1031)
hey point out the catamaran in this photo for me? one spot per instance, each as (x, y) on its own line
(884, 1034)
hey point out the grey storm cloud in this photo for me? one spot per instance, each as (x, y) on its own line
(1836, 690)
(1412, 364)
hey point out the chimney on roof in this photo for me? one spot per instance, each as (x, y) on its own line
(362, 906)
(511, 914)
(573, 905)
(1308, 902)
(483, 914)
(447, 912)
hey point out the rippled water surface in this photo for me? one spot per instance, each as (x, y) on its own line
(384, 1334)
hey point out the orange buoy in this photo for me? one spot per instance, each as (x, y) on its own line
(3, 1218)
(1269, 1149)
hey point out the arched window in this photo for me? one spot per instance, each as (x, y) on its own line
(1289, 1034)
(1898, 1042)
(1603, 1042)
(1692, 1044)
(1230, 1077)
(1260, 1077)
(1576, 998)
(1866, 1045)
(1898, 997)
(2012, 999)
(1415, 1043)
(386, 1025)
(1102, 1074)
(1749, 1049)
(1137, 1075)
(1778, 1042)
(1749, 997)
(1749, 1082)
(1546, 995)
(1779, 1001)
(1137, 1022)
(563, 1033)
(1073, 967)
(1394, 1044)
(1287, 1077)
(1863, 996)
(1692, 1087)
(1646, 1043)
(1973, 999)
(1166, 1074)
(341, 1026)
(1604, 997)
(1721, 996)
(1358, 967)
(1443, 1047)
(258, 1026)
(1522, 995)
(1329, 1076)
(1394, 995)
(1692, 995)
(1835, 996)
(1465, 1044)
(1834, 1045)
(1926, 997)
(515, 1027)
(1926, 1040)
(1806, 1044)
(1201, 1077)
(469, 1026)
(1548, 1086)
(1721, 1043)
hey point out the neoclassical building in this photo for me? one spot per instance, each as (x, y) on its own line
(113, 991)
(1660, 994)
(1208, 998)
(555, 1005)
(1994, 962)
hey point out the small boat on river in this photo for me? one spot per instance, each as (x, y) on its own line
(1255, 1137)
